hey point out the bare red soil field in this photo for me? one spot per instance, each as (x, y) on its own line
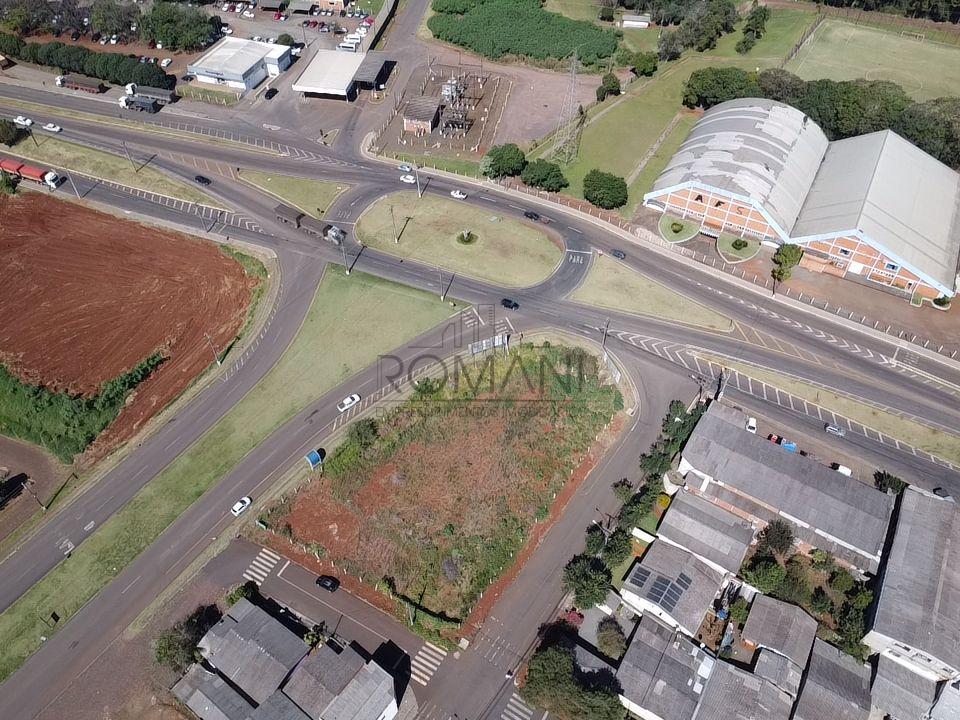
(87, 296)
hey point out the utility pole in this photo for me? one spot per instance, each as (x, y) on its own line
(32, 137)
(28, 486)
(126, 152)
(396, 237)
(212, 349)
(416, 171)
(73, 185)
(442, 293)
(603, 343)
(343, 249)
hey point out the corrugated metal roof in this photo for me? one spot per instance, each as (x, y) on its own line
(423, 108)
(782, 627)
(761, 149)
(900, 692)
(707, 530)
(836, 687)
(903, 200)
(735, 694)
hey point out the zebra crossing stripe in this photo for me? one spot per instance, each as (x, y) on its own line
(516, 709)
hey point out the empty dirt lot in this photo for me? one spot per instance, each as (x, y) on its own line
(87, 296)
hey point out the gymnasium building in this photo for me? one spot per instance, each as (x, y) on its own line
(873, 208)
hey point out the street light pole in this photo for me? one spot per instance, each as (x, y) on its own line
(396, 237)
(213, 349)
(343, 249)
(73, 185)
(416, 171)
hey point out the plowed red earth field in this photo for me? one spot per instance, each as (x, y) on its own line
(86, 296)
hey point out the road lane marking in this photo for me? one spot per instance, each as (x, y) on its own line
(135, 581)
(335, 609)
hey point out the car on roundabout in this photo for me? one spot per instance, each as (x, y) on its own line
(408, 179)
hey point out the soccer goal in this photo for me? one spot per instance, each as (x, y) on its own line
(914, 35)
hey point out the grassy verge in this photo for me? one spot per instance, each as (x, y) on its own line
(313, 197)
(214, 97)
(658, 161)
(459, 166)
(731, 254)
(505, 250)
(669, 232)
(924, 437)
(366, 315)
(612, 285)
(80, 158)
(253, 268)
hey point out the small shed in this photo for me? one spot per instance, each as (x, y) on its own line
(635, 21)
(272, 5)
(421, 114)
(304, 7)
(287, 214)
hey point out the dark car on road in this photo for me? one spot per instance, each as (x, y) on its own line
(328, 582)
(202, 180)
(618, 254)
(510, 304)
(531, 215)
(271, 93)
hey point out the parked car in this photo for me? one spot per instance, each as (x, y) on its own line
(186, 78)
(834, 430)
(458, 194)
(21, 121)
(328, 583)
(348, 402)
(51, 128)
(531, 215)
(227, 30)
(247, 14)
(842, 469)
(775, 439)
(751, 426)
(618, 254)
(408, 179)
(240, 506)
(510, 304)
(271, 94)
(202, 180)
(75, 36)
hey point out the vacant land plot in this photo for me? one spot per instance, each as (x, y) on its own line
(437, 496)
(503, 250)
(843, 51)
(98, 163)
(658, 161)
(574, 9)
(367, 316)
(313, 197)
(932, 440)
(87, 297)
(612, 285)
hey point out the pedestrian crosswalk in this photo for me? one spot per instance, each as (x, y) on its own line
(516, 709)
(426, 662)
(261, 566)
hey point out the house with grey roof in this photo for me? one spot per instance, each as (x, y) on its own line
(760, 481)
(735, 694)
(782, 636)
(663, 673)
(672, 585)
(836, 686)
(714, 535)
(916, 623)
(256, 669)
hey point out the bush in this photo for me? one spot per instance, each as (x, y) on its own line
(605, 14)
(739, 244)
(176, 648)
(885, 482)
(9, 133)
(941, 301)
(842, 582)
(7, 186)
(588, 578)
(363, 433)
(555, 684)
(765, 574)
(644, 64)
(605, 190)
(676, 228)
(776, 537)
(822, 560)
(610, 638)
(739, 611)
(609, 85)
(820, 602)
(544, 174)
(248, 591)
(503, 161)
(796, 585)
(285, 39)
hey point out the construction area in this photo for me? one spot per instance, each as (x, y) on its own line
(448, 110)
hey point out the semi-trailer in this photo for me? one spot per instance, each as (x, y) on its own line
(164, 97)
(140, 104)
(22, 171)
(79, 82)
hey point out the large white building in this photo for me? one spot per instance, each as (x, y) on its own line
(240, 64)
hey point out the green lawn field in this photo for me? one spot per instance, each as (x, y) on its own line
(506, 251)
(351, 321)
(843, 51)
(575, 9)
(311, 196)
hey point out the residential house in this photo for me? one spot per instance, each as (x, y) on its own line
(781, 636)
(761, 481)
(836, 687)
(673, 585)
(735, 694)
(916, 624)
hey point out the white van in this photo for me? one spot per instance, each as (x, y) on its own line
(349, 46)
(353, 37)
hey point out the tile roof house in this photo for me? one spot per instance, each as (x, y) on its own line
(836, 687)
(735, 694)
(673, 585)
(662, 673)
(717, 537)
(783, 636)
(260, 670)
(760, 481)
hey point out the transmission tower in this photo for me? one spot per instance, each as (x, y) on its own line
(566, 140)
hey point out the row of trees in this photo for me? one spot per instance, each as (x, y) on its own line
(939, 10)
(754, 27)
(509, 161)
(111, 67)
(842, 109)
(701, 27)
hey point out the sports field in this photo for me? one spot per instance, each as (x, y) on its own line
(843, 51)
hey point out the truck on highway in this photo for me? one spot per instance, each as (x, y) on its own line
(22, 171)
(140, 104)
(80, 82)
(163, 97)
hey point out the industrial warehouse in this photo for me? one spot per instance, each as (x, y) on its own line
(337, 74)
(240, 64)
(873, 207)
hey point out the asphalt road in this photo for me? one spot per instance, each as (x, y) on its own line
(861, 364)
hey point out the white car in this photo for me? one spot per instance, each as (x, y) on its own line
(408, 179)
(348, 402)
(240, 505)
(50, 127)
(271, 40)
(22, 121)
(247, 14)
(166, 62)
(362, 31)
(256, 38)
(752, 425)
(227, 30)
(842, 469)
(458, 194)
(405, 168)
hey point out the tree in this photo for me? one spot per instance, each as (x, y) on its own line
(822, 560)
(776, 536)
(610, 638)
(609, 85)
(618, 548)
(765, 574)
(670, 45)
(796, 585)
(713, 85)
(10, 45)
(544, 174)
(604, 189)
(285, 39)
(175, 648)
(175, 26)
(623, 490)
(638, 507)
(555, 685)
(781, 85)
(596, 539)
(9, 133)
(364, 433)
(746, 43)
(503, 161)
(739, 611)
(820, 602)
(606, 14)
(885, 482)
(842, 581)
(248, 590)
(785, 259)
(644, 64)
(109, 17)
(588, 578)
(850, 631)
(7, 187)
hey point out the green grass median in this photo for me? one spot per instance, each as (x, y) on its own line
(351, 321)
(314, 197)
